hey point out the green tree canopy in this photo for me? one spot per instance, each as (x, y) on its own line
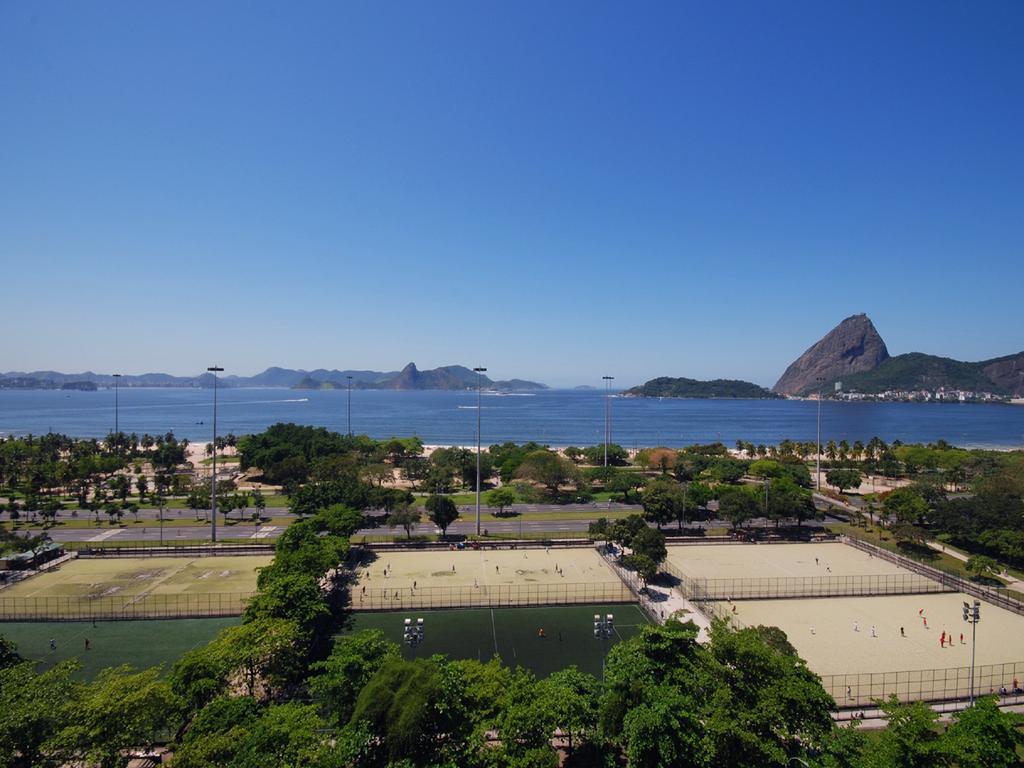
(549, 470)
(501, 498)
(663, 501)
(442, 511)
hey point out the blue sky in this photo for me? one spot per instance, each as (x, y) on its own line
(554, 190)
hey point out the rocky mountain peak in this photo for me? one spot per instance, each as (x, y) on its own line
(851, 347)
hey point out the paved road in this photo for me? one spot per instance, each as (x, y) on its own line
(465, 509)
(464, 527)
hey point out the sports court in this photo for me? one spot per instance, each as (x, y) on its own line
(111, 643)
(834, 634)
(486, 577)
(105, 577)
(513, 634)
(766, 561)
(858, 640)
(145, 587)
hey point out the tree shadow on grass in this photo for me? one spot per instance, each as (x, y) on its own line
(917, 551)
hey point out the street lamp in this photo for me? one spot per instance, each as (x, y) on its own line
(349, 405)
(213, 483)
(607, 416)
(972, 615)
(603, 630)
(817, 454)
(479, 390)
(117, 426)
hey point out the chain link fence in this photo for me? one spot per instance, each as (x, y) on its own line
(954, 583)
(123, 607)
(863, 689)
(487, 596)
(183, 548)
(782, 587)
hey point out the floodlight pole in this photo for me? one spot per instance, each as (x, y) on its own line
(479, 389)
(972, 615)
(603, 629)
(349, 405)
(213, 482)
(117, 426)
(607, 416)
(817, 454)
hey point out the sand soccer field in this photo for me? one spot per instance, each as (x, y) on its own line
(857, 642)
(485, 577)
(766, 561)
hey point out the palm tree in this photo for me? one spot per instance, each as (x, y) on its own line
(830, 450)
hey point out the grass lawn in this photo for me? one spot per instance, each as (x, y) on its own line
(584, 515)
(139, 643)
(512, 634)
(221, 460)
(881, 538)
(470, 498)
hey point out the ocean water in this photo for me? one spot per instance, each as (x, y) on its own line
(555, 417)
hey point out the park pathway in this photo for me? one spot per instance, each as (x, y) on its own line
(1012, 581)
(670, 604)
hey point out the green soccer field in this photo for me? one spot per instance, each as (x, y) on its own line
(512, 633)
(139, 643)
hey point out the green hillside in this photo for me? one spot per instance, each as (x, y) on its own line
(917, 370)
(666, 386)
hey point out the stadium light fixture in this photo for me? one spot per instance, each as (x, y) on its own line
(214, 369)
(479, 390)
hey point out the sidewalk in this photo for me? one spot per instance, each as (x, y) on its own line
(874, 720)
(670, 602)
(1012, 581)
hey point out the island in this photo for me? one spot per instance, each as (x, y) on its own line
(734, 389)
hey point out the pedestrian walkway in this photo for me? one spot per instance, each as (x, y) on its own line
(671, 604)
(874, 719)
(1012, 581)
(264, 532)
(104, 535)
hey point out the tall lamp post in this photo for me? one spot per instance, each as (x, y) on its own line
(349, 405)
(479, 389)
(117, 406)
(972, 615)
(817, 454)
(214, 369)
(607, 416)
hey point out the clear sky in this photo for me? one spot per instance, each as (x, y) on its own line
(553, 190)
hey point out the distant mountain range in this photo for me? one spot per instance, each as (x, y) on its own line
(666, 386)
(410, 377)
(853, 353)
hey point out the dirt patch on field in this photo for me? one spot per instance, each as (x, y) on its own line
(107, 592)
